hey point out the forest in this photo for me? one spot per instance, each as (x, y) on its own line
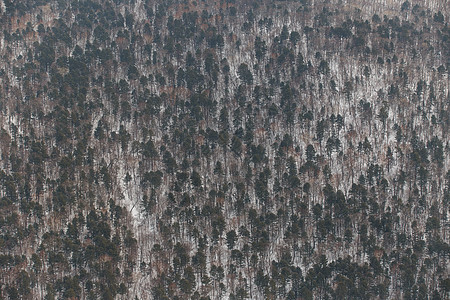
(224, 149)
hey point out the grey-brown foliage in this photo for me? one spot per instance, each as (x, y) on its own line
(224, 149)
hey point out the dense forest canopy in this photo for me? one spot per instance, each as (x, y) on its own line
(224, 149)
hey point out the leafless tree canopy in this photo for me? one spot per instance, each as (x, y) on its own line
(224, 149)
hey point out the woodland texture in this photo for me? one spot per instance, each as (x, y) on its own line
(224, 149)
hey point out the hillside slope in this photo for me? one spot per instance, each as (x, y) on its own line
(224, 149)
